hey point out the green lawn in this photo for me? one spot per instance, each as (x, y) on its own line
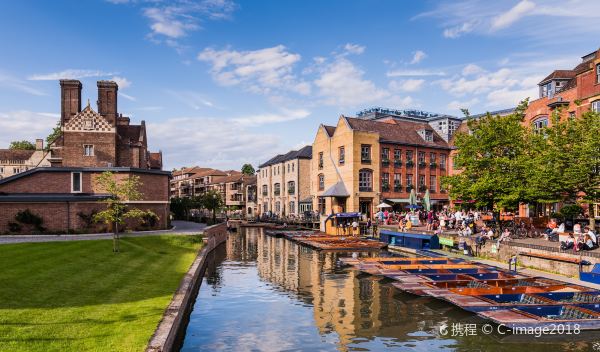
(79, 296)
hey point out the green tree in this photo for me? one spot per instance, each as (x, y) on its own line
(117, 211)
(21, 145)
(212, 201)
(492, 158)
(247, 169)
(56, 132)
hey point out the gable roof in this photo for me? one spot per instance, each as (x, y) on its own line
(329, 129)
(303, 153)
(79, 122)
(15, 154)
(398, 131)
(560, 74)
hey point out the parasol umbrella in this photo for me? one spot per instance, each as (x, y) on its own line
(427, 201)
(384, 205)
(412, 198)
(413, 206)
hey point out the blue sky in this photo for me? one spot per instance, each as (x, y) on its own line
(223, 82)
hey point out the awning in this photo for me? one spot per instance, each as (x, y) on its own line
(400, 200)
(337, 190)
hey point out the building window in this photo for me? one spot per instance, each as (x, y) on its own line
(421, 182)
(385, 154)
(421, 158)
(365, 153)
(88, 150)
(546, 90)
(293, 166)
(572, 115)
(428, 136)
(596, 106)
(397, 182)
(292, 207)
(397, 154)
(365, 180)
(75, 182)
(277, 189)
(321, 182)
(291, 187)
(385, 182)
(320, 160)
(432, 183)
(265, 190)
(321, 205)
(443, 161)
(409, 180)
(598, 73)
(342, 155)
(540, 123)
(409, 156)
(288, 167)
(277, 207)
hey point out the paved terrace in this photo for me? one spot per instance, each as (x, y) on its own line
(179, 228)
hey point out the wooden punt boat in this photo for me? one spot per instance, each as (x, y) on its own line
(545, 316)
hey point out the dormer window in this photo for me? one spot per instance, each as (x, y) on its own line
(546, 90)
(427, 135)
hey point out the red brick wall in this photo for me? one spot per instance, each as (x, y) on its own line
(104, 149)
(539, 107)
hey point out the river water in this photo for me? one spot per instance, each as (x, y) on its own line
(270, 294)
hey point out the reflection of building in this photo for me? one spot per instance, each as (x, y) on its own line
(284, 183)
(362, 161)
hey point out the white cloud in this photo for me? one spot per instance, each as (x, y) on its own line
(194, 100)
(24, 124)
(418, 57)
(11, 82)
(354, 48)
(457, 31)
(341, 83)
(216, 142)
(523, 8)
(260, 71)
(260, 119)
(164, 21)
(127, 96)
(408, 85)
(456, 105)
(414, 73)
(483, 82)
(122, 82)
(507, 97)
(69, 74)
(471, 69)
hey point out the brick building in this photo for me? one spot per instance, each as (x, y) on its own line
(283, 184)
(363, 161)
(90, 143)
(13, 161)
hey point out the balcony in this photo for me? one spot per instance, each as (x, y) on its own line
(422, 164)
(365, 160)
(265, 193)
(385, 162)
(292, 191)
(365, 189)
(277, 192)
(397, 187)
(397, 163)
(410, 163)
(385, 187)
(432, 165)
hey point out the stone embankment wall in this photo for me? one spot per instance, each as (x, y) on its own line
(170, 330)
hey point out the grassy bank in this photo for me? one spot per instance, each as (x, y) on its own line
(79, 296)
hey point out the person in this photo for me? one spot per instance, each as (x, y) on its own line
(568, 243)
(355, 231)
(443, 222)
(369, 224)
(408, 225)
(505, 236)
(592, 235)
(577, 229)
(429, 220)
(550, 227)
(402, 224)
(586, 245)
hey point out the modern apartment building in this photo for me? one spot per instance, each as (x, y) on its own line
(283, 184)
(361, 162)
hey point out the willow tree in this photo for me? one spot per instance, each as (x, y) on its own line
(117, 211)
(493, 160)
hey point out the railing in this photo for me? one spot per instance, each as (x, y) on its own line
(421, 164)
(292, 191)
(398, 188)
(365, 189)
(365, 160)
(385, 188)
(554, 249)
(432, 165)
(397, 163)
(385, 162)
(277, 193)
(265, 193)
(410, 163)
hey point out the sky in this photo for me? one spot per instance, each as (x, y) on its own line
(223, 82)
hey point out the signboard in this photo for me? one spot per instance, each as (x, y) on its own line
(446, 241)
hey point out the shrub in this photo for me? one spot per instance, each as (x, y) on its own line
(150, 219)
(14, 227)
(87, 219)
(28, 218)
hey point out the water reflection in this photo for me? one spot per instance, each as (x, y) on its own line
(266, 293)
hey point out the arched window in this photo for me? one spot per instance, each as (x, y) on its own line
(321, 182)
(365, 180)
(291, 187)
(540, 123)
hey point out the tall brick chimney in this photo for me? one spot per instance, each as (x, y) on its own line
(70, 99)
(107, 100)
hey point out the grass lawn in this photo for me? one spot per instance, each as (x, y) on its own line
(79, 296)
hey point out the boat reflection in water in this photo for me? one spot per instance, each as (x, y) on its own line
(267, 293)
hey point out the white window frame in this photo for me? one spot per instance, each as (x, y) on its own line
(80, 182)
(85, 149)
(595, 106)
(597, 73)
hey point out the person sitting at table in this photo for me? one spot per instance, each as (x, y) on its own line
(568, 243)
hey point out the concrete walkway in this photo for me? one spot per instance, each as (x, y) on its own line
(179, 228)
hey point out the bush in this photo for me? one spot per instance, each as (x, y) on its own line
(150, 219)
(87, 219)
(28, 218)
(14, 227)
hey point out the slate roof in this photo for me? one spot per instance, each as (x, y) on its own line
(329, 129)
(304, 153)
(558, 74)
(337, 190)
(400, 132)
(12, 154)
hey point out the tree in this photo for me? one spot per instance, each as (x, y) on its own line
(56, 132)
(492, 159)
(212, 201)
(117, 211)
(247, 169)
(21, 145)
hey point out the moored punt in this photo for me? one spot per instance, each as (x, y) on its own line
(545, 316)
